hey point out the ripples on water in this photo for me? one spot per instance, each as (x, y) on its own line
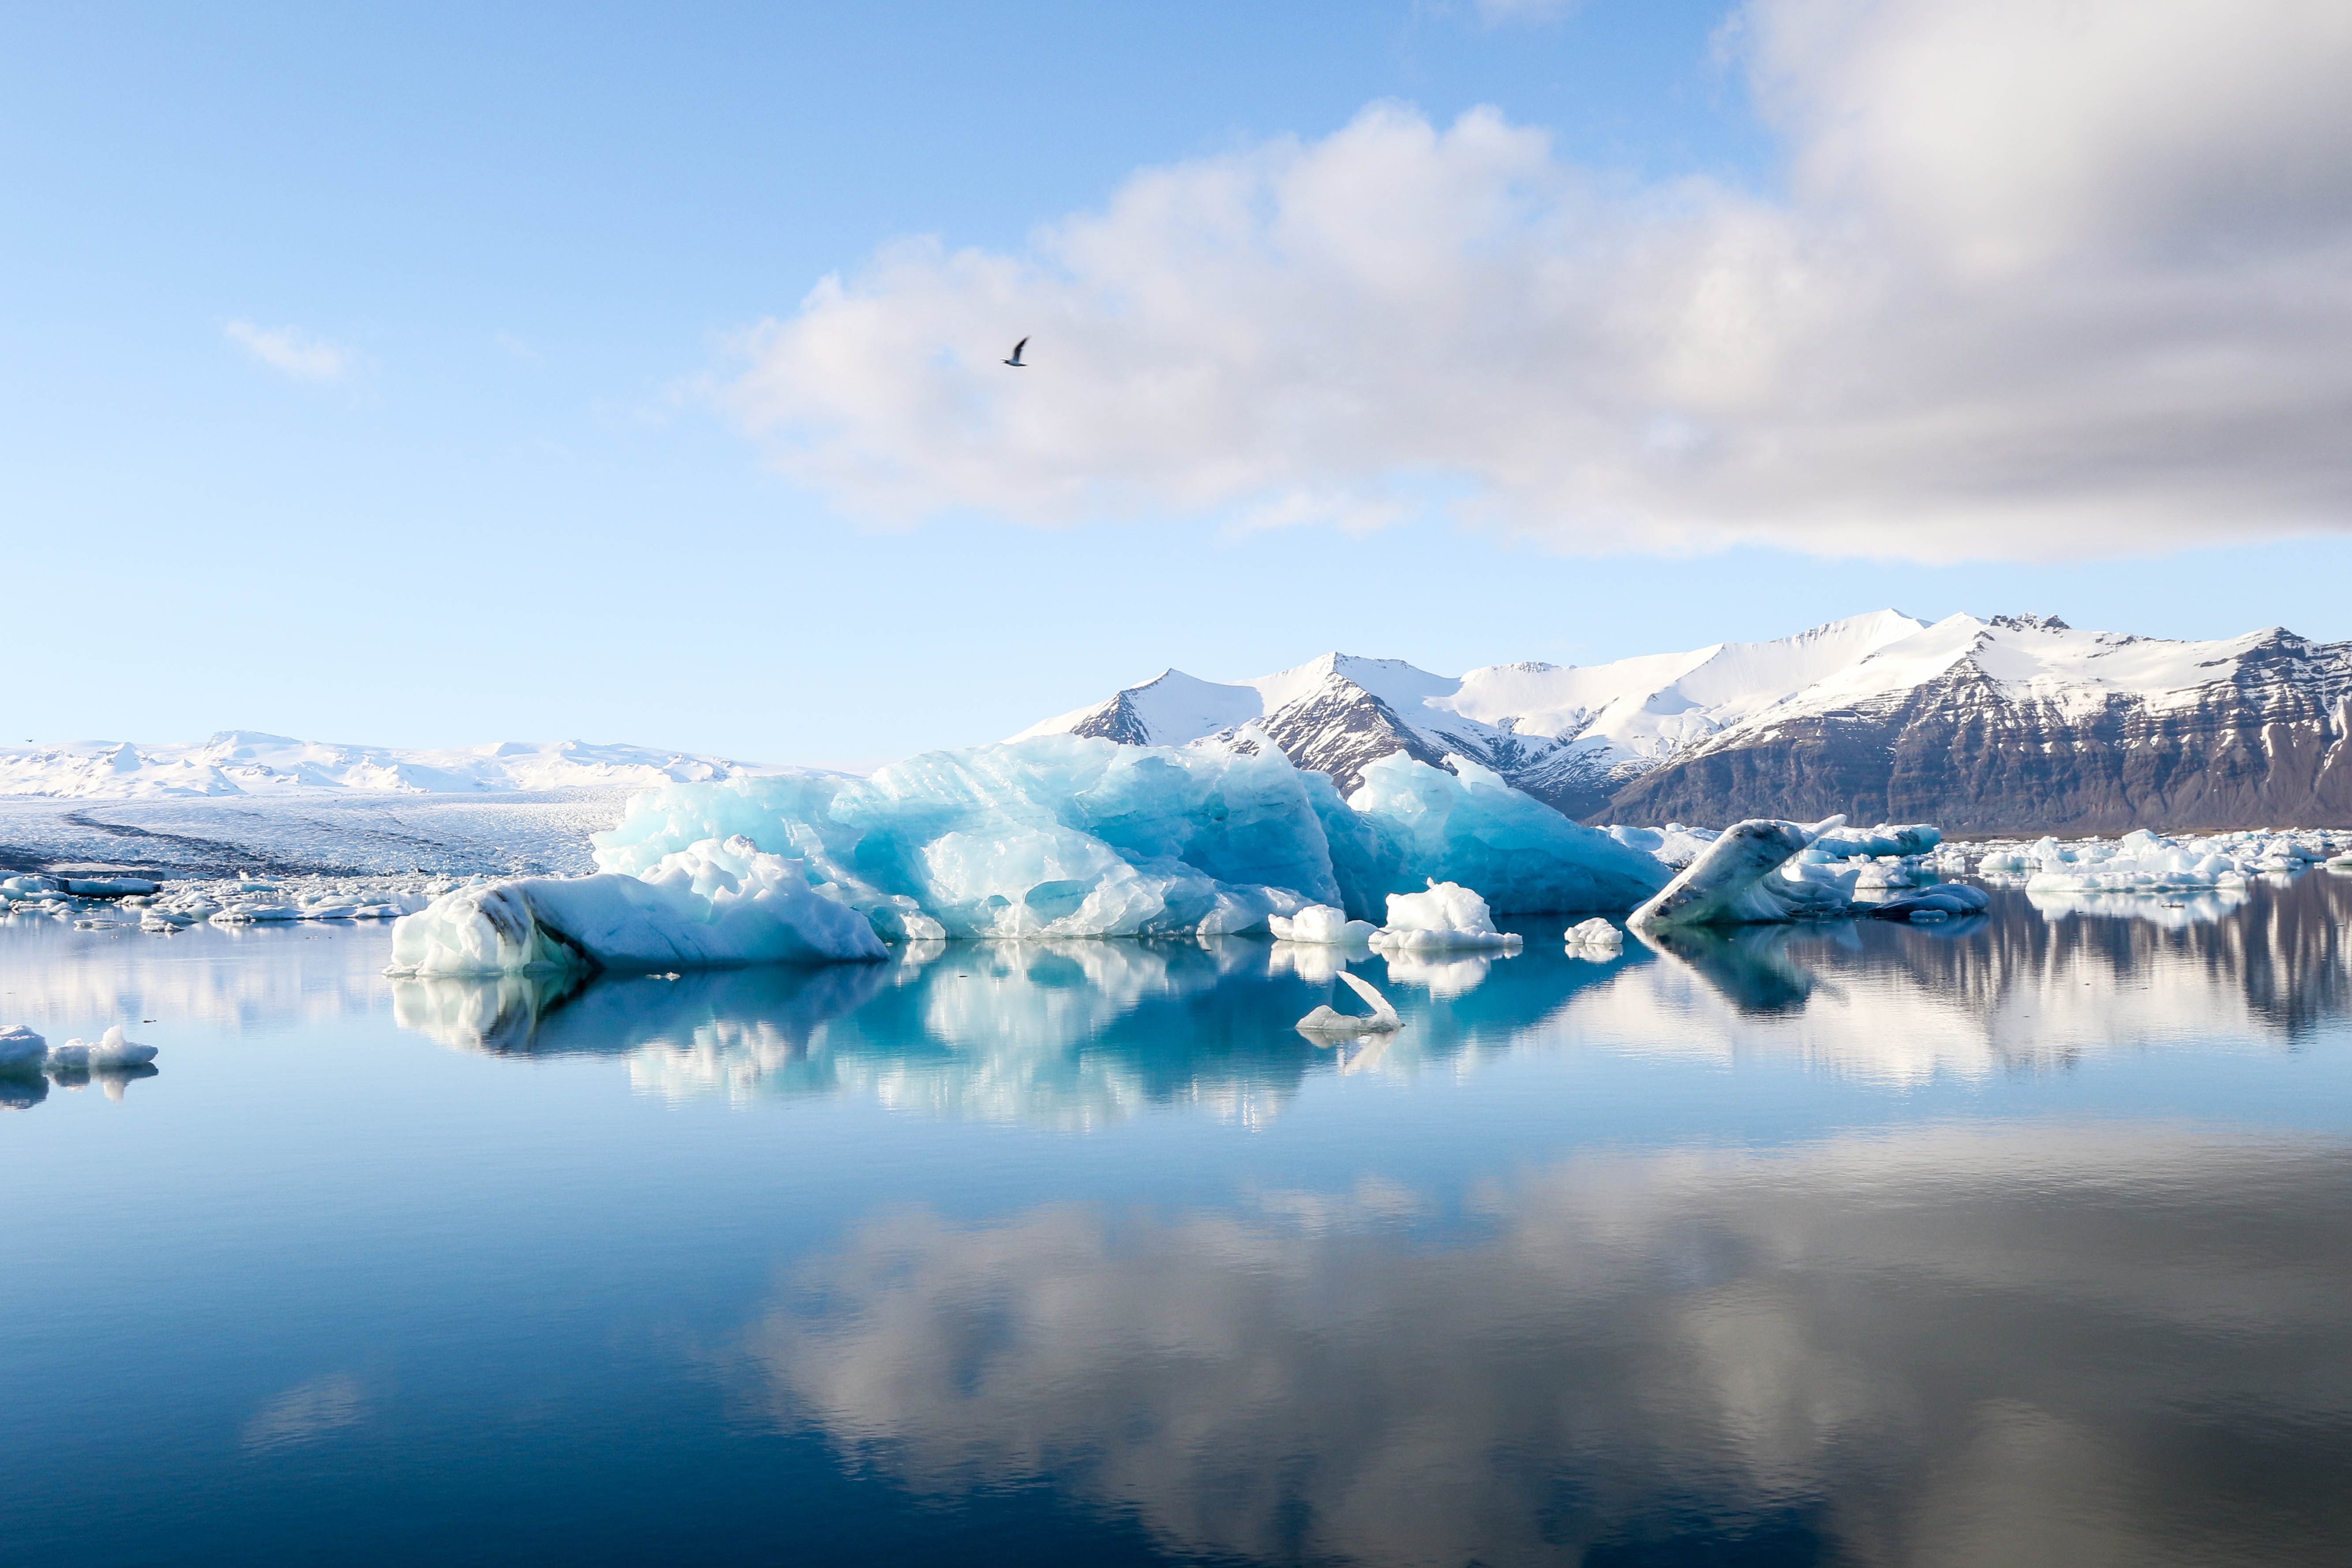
(2018, 1240)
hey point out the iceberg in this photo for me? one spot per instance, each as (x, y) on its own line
(710, 905)
(1328, 1020)
(21, 1051)
(1942, 901)
(1446, 916)
(1746, 877)
(1595, 938)
(1845, 843)
(1065, 835)
(1321, 923)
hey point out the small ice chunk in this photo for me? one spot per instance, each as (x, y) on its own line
(1328, 1020)
(1595, 933)
(108, 886)
(21, 1050)
(1323, 923)
(1447, 915)
(1941, 902)
(114, 1051)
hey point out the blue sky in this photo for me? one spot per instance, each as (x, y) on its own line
(381, 374)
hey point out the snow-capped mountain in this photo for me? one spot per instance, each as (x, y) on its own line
(1568, 734)
(240, 761)
(2005, 724)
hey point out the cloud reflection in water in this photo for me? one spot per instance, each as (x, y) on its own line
(2062, 1345)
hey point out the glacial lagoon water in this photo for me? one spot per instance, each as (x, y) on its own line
(2021, 1240)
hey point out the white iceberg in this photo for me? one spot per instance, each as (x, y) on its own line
(1323, 923)
(1446, 916)
(1597, 936)
(710, 905)
(108, 1054)
(2140, 861)
(1749, 876)
(1328, 1020)
(1065, 835)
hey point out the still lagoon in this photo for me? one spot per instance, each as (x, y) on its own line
(2023, 1239)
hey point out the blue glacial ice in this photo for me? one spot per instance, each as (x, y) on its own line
(1058, 835)
(711, 904)
(1064, 835)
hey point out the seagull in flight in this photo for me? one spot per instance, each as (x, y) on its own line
(1015, 361)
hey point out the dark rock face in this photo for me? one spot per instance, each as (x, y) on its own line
(2264, 744)
(1116, 720)
(1339, 727)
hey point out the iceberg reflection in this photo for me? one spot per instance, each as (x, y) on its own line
(1862, 1341)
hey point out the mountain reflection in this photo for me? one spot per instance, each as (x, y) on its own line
(1871, 1350)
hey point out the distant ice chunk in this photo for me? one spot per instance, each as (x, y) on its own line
(1597, 935)
(2141, 861)
(1328, 1020)
(1746, 877)
(1447, 916)
(711, 905)
(1845, 843)
(1942, 901)
(1323, 923)
(109, 887)
(21, 1050)
(114, 1051)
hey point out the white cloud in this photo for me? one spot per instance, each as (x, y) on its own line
(2052, 280)
(297, 354)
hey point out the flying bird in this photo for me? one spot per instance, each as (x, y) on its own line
(1015, 361)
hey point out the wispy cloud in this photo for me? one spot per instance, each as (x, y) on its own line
(291, 351)
(2048, 280)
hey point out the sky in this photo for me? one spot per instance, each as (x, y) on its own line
(432, 375)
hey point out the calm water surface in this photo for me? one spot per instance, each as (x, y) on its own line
(2026, 1240)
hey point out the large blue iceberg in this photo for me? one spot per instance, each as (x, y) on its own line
(1059, 835)
(1067, 835)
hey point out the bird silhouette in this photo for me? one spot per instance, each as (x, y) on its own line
(1015, 361)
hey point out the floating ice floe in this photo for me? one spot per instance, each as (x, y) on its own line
(709, 905)
(1328, 1020)
(1945, 901)
(2147, 862)
(23, 1053)
(1595, 938)
(1323, 923)
(1446, 916)
(1751, 875)
(1065, 835)
(21, 1050)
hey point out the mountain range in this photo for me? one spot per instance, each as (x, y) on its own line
(2018, 723)
(245, 762)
